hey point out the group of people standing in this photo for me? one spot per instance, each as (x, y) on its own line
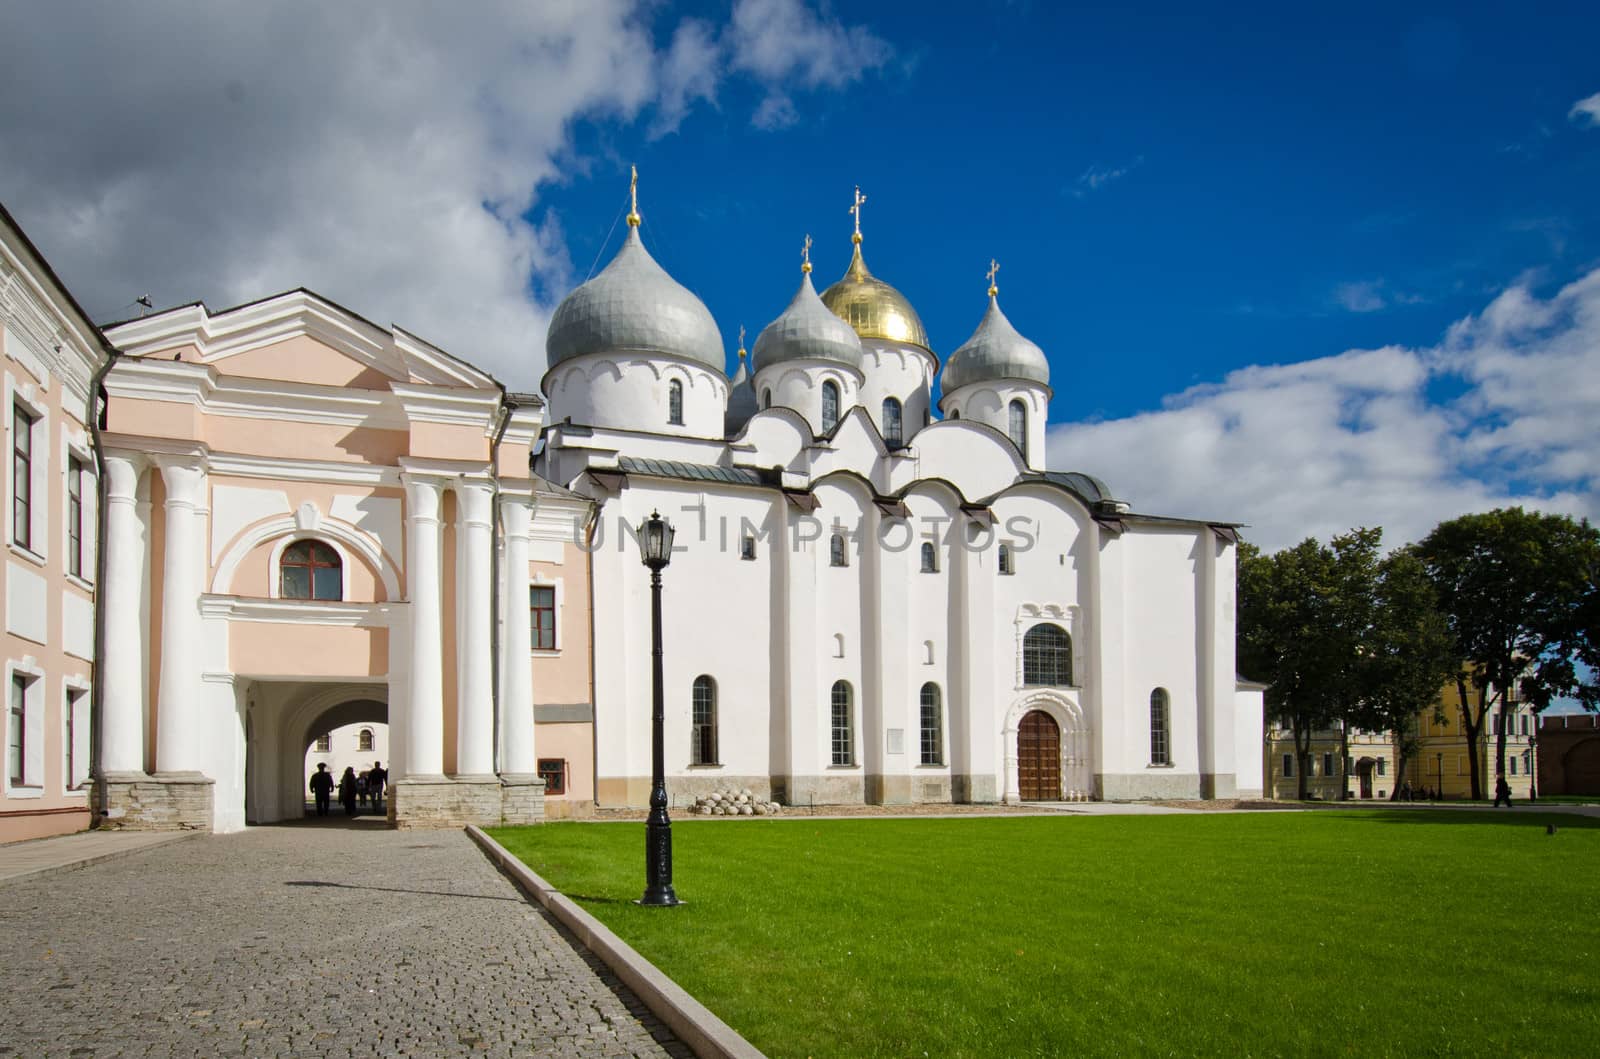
(354, 789)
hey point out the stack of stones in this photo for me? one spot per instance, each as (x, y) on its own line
(733, 803)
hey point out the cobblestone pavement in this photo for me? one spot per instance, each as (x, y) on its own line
(312, 940)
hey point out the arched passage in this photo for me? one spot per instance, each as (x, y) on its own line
(284, 718)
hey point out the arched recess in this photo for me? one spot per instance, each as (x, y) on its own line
(357, 541)
(279, 735)
(1077, 768)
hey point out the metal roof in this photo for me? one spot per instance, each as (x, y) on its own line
(691, 472)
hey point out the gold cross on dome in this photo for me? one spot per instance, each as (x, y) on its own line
(994, 270)
(805, 255)
(741, 340)
(856, 210)
(633, 195)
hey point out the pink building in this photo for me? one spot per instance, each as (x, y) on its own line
(53, 356)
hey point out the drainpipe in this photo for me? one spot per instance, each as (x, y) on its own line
(504, 417)
(91, 419)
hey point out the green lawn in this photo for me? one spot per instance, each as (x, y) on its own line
(1404, 932)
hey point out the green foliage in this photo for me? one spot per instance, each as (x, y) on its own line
(1193, 935)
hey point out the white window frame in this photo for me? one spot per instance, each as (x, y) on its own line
(31, 399)
(74, 734)
(75, 446)
(542, 581)
(33, 711)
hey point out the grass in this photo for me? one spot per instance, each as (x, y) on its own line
(1402, 932)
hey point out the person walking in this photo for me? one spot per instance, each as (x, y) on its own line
(361, 789)
(377, 779)
(347, 790)
(322, 787)
(1502, 791)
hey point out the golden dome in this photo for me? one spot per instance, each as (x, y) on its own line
(872, 307)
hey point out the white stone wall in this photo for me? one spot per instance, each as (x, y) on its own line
(630, 392)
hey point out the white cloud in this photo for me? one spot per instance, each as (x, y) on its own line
(383, 154)
(1098, 176)
(1363, 296)
(1316, 447)
(1586, 111)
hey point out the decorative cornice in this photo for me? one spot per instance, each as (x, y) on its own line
(298, 612)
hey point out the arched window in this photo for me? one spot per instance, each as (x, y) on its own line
(932, 725)
(837, 556)
(1005, 560)
(891, 422)
(310, 570)
(830, 405)
(1159, 752)
(703, 732)
(766, 399)
(1047, 655)
(1019, 428)
(930, 558)
(844, 736)
(364, 739)
(324, 743)
(675, 403)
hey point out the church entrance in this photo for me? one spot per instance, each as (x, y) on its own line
(1364, 775)
(1038, 758)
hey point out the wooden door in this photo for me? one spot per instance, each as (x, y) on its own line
(1038, 758)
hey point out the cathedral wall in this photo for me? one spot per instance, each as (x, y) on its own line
(973, 459)
(902, 372)
(798, 385)
(631, 393)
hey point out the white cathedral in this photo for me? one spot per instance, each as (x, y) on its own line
(869, 602)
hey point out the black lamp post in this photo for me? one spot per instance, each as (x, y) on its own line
(655, 549)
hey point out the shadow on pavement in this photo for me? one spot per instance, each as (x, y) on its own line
(397, 890)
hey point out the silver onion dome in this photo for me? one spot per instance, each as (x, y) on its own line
(995, 351)
(807, 330)
(633, 306)
(741, 399)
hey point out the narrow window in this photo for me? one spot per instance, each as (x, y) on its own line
(311, 570)
(747, 546)
(74, 516)
(837, 556)
(364, 740)
(1527, 762)
(891, 422)
(675, 403)
(1288, 766)
(955, 413)
(1327, 764)
(1513, 763)
(1047, 655)
(1005, 559)
(703, 735)
(16, 730)
(77, 725)
(844, 743)
(930, 558)
(830, 405)
(22, 476)
(766, 399)
(1019, 428)
(553, 770)
(1382, 766)
(324, 743)
(1159, 754)
(1524, 724)
(542, 603)
(932, 725)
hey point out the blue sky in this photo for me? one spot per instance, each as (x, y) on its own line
(1299, 268)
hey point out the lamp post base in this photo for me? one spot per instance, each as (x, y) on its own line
(658, 861)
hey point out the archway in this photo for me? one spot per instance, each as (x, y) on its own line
(1073, 774)
(1364, 769)
(1038, 758)
(284, 719)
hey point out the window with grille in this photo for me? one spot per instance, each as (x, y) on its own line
(22, 475)
(364, 739)
(542, 606)
(553, 770)
(311, 570)
(675, 402)
(830, 405)
(747, 546)
(74, 516)
(17, 731)
(703, 729)
(892, 429)
(837, 556)
(930, 558)
(1005, 559)
(324, 743)
(844, 743)
(932, 725)
(1160, 754)
(1019, 428)
(1047, 656)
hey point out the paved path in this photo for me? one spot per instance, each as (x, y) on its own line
(317, 940)
(74, 851)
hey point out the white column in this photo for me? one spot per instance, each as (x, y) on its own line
(180, 735)
(474, 660)
(424, 718)
(518, 756)
(122, 686)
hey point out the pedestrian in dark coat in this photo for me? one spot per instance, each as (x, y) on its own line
(347, 791)
(1502, 792)
(322, 787)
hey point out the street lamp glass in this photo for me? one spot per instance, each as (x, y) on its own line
(655, 540)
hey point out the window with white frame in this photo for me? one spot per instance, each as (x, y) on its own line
(1005, 560)
(364, 740)
(675, 403)
(830, 405)
(1047, 656)
(932, 725)
(542, 607)
(843, 726)
(27, 477)
(930, 558)
(1019, 427)
(893, 430)
(324, 743)
(17, 731)
(837, 555)
(703, 722)
(310, 569)
(75, 477)
(747, 546)
(75, 718)
(1160, 753)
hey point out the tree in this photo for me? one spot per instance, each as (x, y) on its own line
(1304, 614)
(1516, 588)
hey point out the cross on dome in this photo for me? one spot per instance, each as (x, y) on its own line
(633, 196)
(805, 255)
(856, 211)
(994, 270)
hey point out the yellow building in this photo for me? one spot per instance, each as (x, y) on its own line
(1369, 765)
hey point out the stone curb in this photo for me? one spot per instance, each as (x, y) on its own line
(694, 1024)
(96, 858)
